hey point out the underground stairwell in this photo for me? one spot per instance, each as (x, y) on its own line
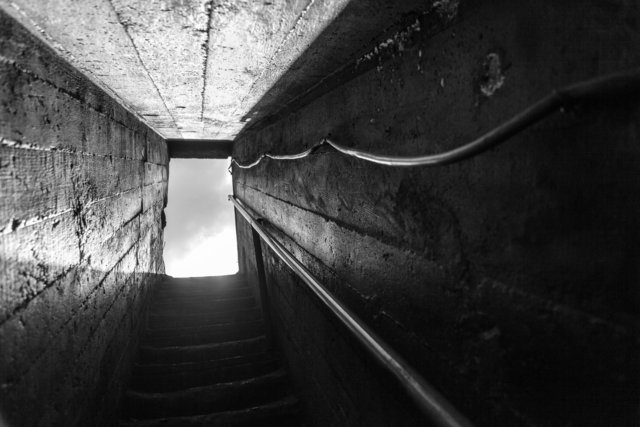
(204, 360)
(435, 205)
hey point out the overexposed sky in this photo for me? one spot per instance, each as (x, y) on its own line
(200, 237)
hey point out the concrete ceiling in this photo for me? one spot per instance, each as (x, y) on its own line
(196, 69)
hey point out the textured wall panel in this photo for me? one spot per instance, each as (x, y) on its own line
(83, 185)
(510, 280)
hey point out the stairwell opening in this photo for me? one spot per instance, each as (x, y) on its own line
(200, 235)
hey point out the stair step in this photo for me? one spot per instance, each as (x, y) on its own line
(188, 295)
(204, 360)
(175, 320)
(201, 283)
(202, 352)
(194, 335)
(205, 399)
(283, 413)
(168, 368)
(202, 306)
(161, 378)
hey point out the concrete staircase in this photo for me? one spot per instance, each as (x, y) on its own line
(204, 360)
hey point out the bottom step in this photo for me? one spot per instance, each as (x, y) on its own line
(282, 413)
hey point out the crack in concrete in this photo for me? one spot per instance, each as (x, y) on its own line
(275, 53)
(78, 209)
(205, 65)
(144, 66)
(98, 325)
(48, 283)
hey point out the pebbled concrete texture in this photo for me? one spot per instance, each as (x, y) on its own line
(82, 188)
(510, 280)
(189, 68)
(170, 39)
(204, 69)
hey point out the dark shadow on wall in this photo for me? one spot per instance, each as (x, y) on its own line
(364, 35)
(511, 280)
(67, 351)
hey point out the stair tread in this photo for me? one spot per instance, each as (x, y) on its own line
(187, 296)
(171, 299)
(204, 360)
(200, 283)
(213, 312)
(200, 327)
(210, 389)
(203, 346)
(204, 399)
(228, 331)
(210, 351)
(159, 321)
(229, 361)
(224, 277)
(205, 305)
(288, 405)
(186, 377)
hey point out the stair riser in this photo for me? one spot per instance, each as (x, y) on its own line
(197, 336)
(188, 321)
(193, 285)
(284, 413)
(195, 404)
(162, 369)
(151, 334)
(186, 379)
(204, 360)
(187, 296)
(202, 306)
(201, 353)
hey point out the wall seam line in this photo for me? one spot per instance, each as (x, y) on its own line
(144, 66)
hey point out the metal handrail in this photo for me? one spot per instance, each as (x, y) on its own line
(430, 402)
(617, 85)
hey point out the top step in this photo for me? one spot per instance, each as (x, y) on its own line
(228, 279)
(211, 283)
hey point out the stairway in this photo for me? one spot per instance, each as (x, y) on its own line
(204, 360)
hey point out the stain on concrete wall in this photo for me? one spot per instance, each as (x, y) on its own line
(510, 280)
(82, 189)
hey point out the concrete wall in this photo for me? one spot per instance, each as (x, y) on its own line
(82, 189)
(511, 281)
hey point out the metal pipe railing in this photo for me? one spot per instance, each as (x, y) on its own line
(612, 86)
(430, 402)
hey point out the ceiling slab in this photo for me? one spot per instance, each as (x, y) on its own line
(171, 39)
(89, 35)
(204, 69)
(250, 47)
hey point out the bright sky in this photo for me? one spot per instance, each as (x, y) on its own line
(200, 237)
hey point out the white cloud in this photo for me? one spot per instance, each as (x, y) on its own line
(207, 255)
(200, 235)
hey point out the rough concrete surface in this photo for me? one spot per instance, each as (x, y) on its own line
(510, 280)
(188, 68)
(203, 69)
(82, 189)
